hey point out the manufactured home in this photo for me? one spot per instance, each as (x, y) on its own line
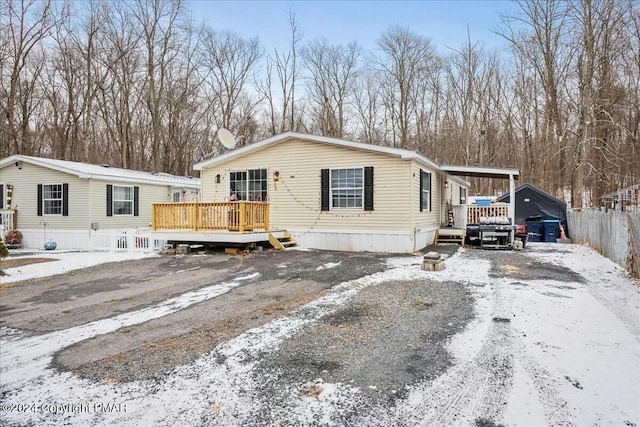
(64, 201)
(324, 193)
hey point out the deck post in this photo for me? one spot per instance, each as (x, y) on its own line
(266, 216)
(243, 212)
(512, 198)
(153, 216)
(197, 218)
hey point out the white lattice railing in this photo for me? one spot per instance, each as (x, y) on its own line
(131, 240)
(7, 219)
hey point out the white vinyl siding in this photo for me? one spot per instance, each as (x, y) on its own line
(347, 188)
(122, 200)
(295, 197)
(426, 219)
(52, 199)
(25, 181)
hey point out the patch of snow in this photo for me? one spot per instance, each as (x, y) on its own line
(328, 265)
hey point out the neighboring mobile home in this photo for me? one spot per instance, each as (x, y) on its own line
(334, 194)
(72, 198)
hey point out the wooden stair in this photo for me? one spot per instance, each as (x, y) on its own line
(450, 235)
(280, 243)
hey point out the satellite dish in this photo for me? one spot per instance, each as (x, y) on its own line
(226, 138)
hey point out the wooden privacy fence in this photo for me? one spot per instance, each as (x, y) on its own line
(614, 234)
(232, 216)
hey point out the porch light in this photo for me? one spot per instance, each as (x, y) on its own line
(446, 184)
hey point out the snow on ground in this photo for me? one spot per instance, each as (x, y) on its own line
(64, 262)
(573, 358)
(328, 265)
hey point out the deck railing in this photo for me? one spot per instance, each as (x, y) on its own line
(8, 219)
(232, 216)
(471, 214)
(475, 212)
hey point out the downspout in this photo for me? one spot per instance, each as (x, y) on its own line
(90, 203)
(411, 204)
(512, 202)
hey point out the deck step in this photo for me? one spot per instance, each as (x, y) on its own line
(282, 242)
(450, 235)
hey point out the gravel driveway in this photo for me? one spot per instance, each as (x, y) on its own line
(322, 338)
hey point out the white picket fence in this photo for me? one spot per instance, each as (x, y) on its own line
(130, 240)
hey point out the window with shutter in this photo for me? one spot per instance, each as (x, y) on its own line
(425, 191)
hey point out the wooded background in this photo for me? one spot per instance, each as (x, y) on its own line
(141, 84)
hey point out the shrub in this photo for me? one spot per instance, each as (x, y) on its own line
(13, 237)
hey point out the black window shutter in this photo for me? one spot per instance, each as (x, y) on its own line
(324, 186)
(136, 196)
(65, 199)
(430, 194)
(368, 188)
(109, 200)
(39, 199)
(421, 189)
(2, 196)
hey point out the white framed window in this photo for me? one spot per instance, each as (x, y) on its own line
(425, 191)
(249, 185)
(463, 196)
(346, 188)
(176, 196)
(122, 200)
(52, 199)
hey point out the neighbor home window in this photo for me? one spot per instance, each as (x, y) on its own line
(425, 191)
(122, 200)
(52, 199)
(248, 185)
(347, 188)
(176, 197)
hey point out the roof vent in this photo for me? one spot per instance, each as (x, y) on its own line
(104, 165)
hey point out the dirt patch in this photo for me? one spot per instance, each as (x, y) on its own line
(166, 354)
(21, 262)
(392, 336)
(520, 266)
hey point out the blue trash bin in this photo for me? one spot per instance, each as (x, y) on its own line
(551, 230)
(534, 231)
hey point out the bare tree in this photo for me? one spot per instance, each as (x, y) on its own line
(330, 82)
(403, 59)
(24, 27)
(282, 70)
(229, 63)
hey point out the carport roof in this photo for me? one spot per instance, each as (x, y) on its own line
(481, 172)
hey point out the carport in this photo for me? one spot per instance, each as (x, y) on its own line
(487, 172)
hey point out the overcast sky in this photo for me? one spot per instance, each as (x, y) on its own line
(444, 22)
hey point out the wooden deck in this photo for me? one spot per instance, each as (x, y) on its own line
(236, 223)
(214, 216)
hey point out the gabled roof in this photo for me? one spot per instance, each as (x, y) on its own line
(104, 172)
(289, 135)
(286, 136)
(534, 189)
